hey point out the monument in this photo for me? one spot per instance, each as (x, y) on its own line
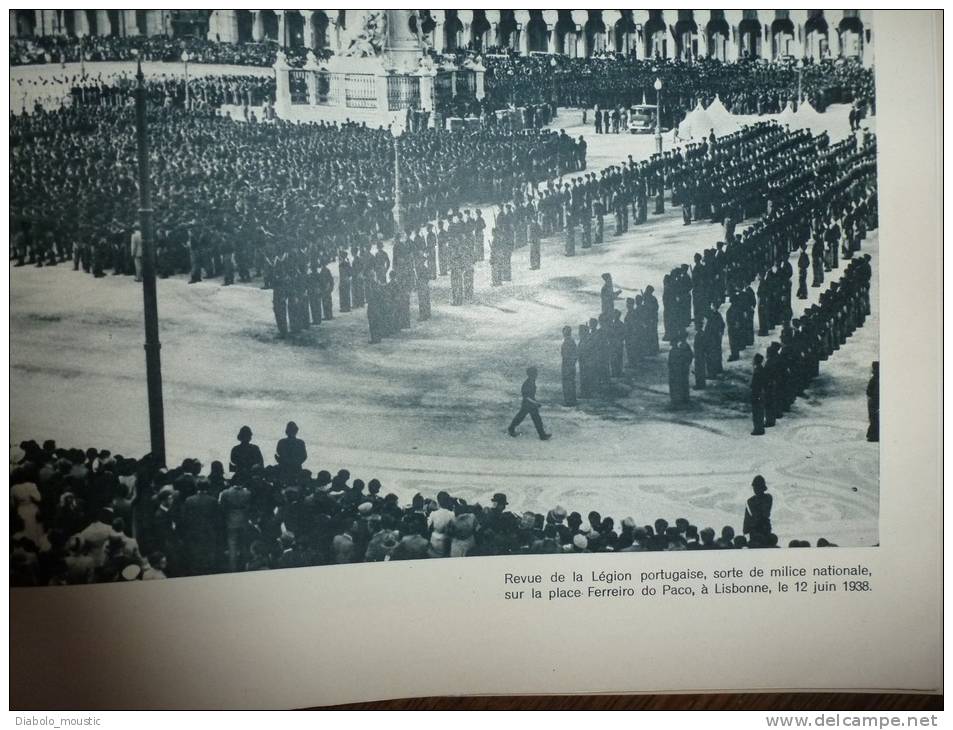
(381, 72)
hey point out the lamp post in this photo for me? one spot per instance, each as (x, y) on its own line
(149, 301)
(800, 71)
(658, 115)
(660, 196)
(397, 220)
(185, 60)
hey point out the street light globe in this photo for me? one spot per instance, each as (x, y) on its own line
(658, 84)
(185, 56)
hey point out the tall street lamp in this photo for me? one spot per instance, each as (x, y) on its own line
(660, 196)
(149, 301)
(800, 72)
(185, 60)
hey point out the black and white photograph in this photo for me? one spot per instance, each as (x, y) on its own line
(301, 288)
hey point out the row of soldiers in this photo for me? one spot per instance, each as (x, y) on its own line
(303, 285)
(794, 362)
(609, 344)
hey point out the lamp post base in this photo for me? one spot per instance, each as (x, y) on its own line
(658, 142)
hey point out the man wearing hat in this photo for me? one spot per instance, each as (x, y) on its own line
(529, 407)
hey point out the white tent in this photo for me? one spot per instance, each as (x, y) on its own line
(696, 124)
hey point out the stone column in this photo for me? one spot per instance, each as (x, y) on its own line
(258, 27)
(579, 17)
(551, 17)
(102, 22)
(311, 77)
(522, 26)
(640, 18)
(466, 20)
(492, 36)
(13, 23)
(610, 18)
(734, 37)
(401, 47)
(439, 29)
(129, 18)
(426, 77)
(867, 47)
(282, 29)
(309, 39)
(333, 31)
(81, 23)
(479, 71)
(218, 26)
(282, 88)
(798, 19)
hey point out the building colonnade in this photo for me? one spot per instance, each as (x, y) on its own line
(728, 35)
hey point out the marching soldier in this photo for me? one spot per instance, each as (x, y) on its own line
(570, 232)
(570, 356)
(479, 232)
(715, 330)
(758, 389)
(616, 336)
(608, 295)
(735, 320)
(313, 291)
(650, 304)
(679, 367)
(598, 209)
(279, 294)
(423, 292)
(400, 294)
(431, 245)
(535, 247)
(358, 267)
(529, 407)
(585, 354)
(375, 307)
(345, 272)
(702, 346)
(443, 247)
(803, 264)
(326, 286)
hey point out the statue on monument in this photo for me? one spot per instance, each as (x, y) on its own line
(369, 39)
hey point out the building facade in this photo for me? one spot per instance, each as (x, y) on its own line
(727, 35)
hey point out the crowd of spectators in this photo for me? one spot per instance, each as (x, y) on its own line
(745, 87)
(92, 48)
(84, 516)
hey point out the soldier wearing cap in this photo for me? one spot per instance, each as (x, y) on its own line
(430, 244)
(679, 367)
(529, 407)
(608, 294)
(570, 356)
(326, 286)
(535, 244)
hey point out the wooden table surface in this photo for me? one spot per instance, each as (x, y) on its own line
(813, 701)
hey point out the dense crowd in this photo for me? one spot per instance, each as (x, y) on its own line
(745, 87)
(230, 197)
(93, 48)
(84, 516)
